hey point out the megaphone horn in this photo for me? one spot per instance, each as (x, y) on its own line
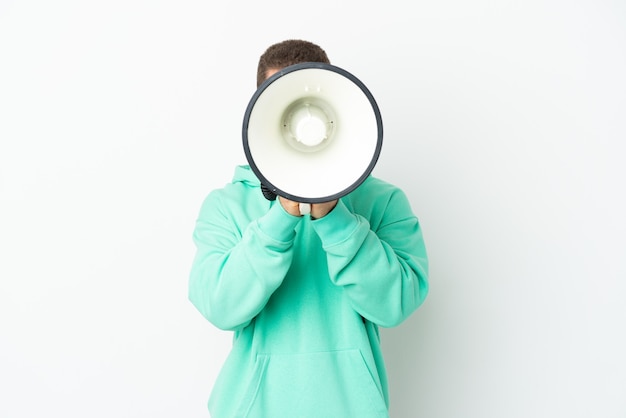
(312, 133)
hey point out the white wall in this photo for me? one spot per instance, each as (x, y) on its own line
(504, 123)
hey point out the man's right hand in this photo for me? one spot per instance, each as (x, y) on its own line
(292, 208)
(318, 210)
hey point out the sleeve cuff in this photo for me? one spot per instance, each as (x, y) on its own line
(278, 224)
(337, 225)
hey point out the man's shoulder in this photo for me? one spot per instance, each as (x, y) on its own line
(243, 182)
(377, 186)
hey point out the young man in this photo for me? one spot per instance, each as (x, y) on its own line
(305, 295)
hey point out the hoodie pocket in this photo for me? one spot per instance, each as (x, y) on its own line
(336, 384)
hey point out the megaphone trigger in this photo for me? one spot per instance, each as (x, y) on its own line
(305, 208)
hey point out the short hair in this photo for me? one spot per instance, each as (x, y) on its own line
(288, 52)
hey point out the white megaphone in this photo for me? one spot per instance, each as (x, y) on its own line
(312, 133)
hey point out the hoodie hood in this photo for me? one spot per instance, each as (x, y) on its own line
(244, 174)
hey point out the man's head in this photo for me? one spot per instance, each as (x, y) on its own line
(285, 53)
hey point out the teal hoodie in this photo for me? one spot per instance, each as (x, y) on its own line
(304, 298)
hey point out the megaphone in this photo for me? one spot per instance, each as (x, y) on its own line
(312, 133)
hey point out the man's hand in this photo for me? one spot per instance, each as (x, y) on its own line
(318, 210)
(292, 208)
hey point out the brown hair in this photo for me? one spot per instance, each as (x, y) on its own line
(289, 52)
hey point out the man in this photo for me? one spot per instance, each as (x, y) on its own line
(305, 294)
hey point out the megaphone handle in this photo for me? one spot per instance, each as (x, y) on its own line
(267, 193)
(305, 208)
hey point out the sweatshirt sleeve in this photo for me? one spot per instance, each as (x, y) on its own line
(383, 272)
(234, 272)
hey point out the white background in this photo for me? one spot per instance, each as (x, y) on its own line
(504, 123)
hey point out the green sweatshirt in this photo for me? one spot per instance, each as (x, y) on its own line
(305, 298)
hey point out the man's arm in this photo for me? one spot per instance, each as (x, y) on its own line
(234, 273)
(383, 272)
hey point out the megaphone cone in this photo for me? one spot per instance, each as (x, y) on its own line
(312, 133)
